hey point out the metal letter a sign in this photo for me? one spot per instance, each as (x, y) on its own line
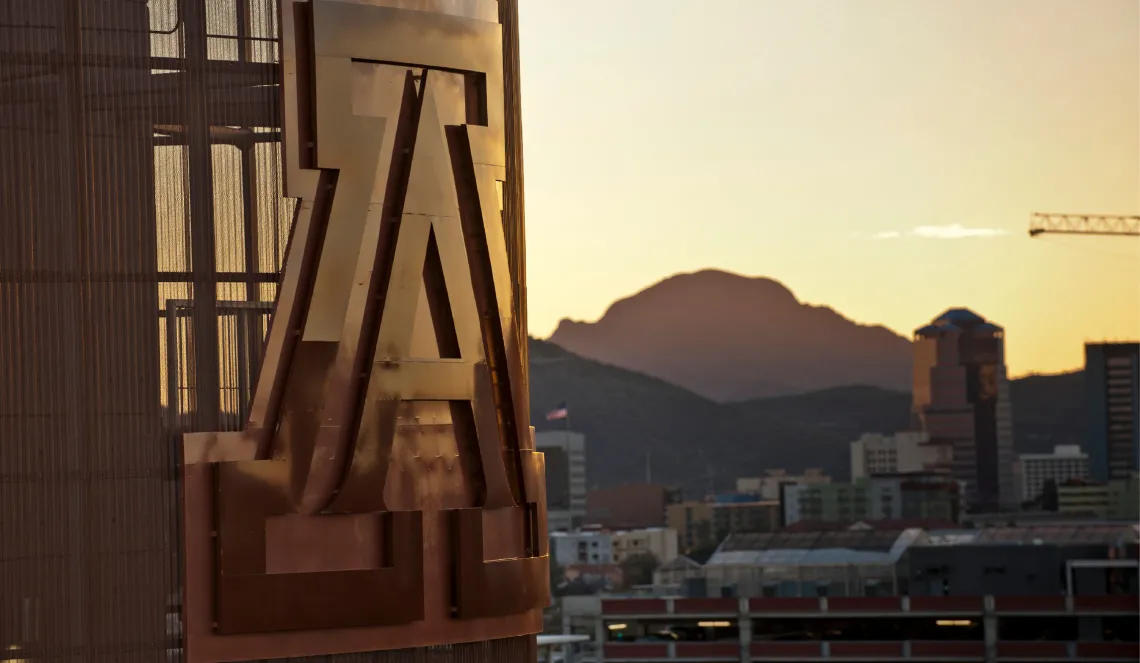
(385, 491)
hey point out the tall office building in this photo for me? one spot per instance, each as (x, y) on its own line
(565, 452)
(961, 400)
(1112, 404)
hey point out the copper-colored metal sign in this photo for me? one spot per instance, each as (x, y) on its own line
(385, 491)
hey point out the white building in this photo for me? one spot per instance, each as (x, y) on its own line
(1065, 463)
(907, 451)
(768, 486)
(660, 541)
(565, 452)
(592, 547)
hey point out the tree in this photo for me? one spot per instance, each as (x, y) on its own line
(706, 543)
(638, 569)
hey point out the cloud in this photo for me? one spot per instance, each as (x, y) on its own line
(956, 231)
(952, 231)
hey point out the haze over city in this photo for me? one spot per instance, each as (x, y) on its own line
(880, 157)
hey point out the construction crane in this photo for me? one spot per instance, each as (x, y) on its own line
(1084, 224)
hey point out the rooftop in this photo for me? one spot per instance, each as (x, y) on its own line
(959, 316)
(815, 548)
(1093, 533)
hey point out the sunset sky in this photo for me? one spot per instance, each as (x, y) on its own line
(839, 146)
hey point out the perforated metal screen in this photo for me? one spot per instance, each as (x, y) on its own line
(142, 234)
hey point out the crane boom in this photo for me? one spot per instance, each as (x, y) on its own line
(1084, 224)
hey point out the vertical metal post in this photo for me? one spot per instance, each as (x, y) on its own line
(990, 626)
(173, 368)
(514, 203)
(205, 314)
(744, 626)
(74, 129)
(251, 331)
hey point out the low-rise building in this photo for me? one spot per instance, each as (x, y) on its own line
(1086, 498)
(907, 451)
(1118, 499)
(589, 547)
(661, 542)
(708, 522)
(913, 495)
(752, 516)
(1124, 498)
(630, 506)
(767, 487)
(692, 520)
(824, 502)
(1002, 594)
(1067, 462)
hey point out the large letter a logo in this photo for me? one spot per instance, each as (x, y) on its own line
(387, 474)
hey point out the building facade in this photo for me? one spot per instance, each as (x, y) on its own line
(1083, 498)
(836, 502)
(1065, 463)
(630, 506)
(1049, 593)
(583, 547)
(961, 400)
(1118, 499)
(661, 542)
(750, 516)
(906, 451)
(913, 496)
(767, 487)
(565, 453)
(692, 520)
(1112, 406)
(708, 522)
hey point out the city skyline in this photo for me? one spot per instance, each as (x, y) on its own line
(858, 152)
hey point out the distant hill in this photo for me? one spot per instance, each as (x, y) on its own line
(730, 338)
(697, 443)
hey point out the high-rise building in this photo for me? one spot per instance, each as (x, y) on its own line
(907, 451)
(565, 452)
(1067, 462)
(1112, 405)
(961, 400)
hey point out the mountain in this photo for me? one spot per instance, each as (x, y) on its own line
(697, 443)
(730, 338)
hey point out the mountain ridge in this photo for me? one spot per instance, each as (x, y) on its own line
(700, 444)
(663, 330)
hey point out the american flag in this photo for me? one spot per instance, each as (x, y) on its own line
(560, 412)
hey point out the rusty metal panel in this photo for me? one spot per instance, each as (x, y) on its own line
(144, 230)
(509, 650)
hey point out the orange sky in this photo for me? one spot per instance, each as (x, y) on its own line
(838, 146)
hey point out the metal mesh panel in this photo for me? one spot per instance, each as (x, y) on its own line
(142, 231)
(142, 235)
